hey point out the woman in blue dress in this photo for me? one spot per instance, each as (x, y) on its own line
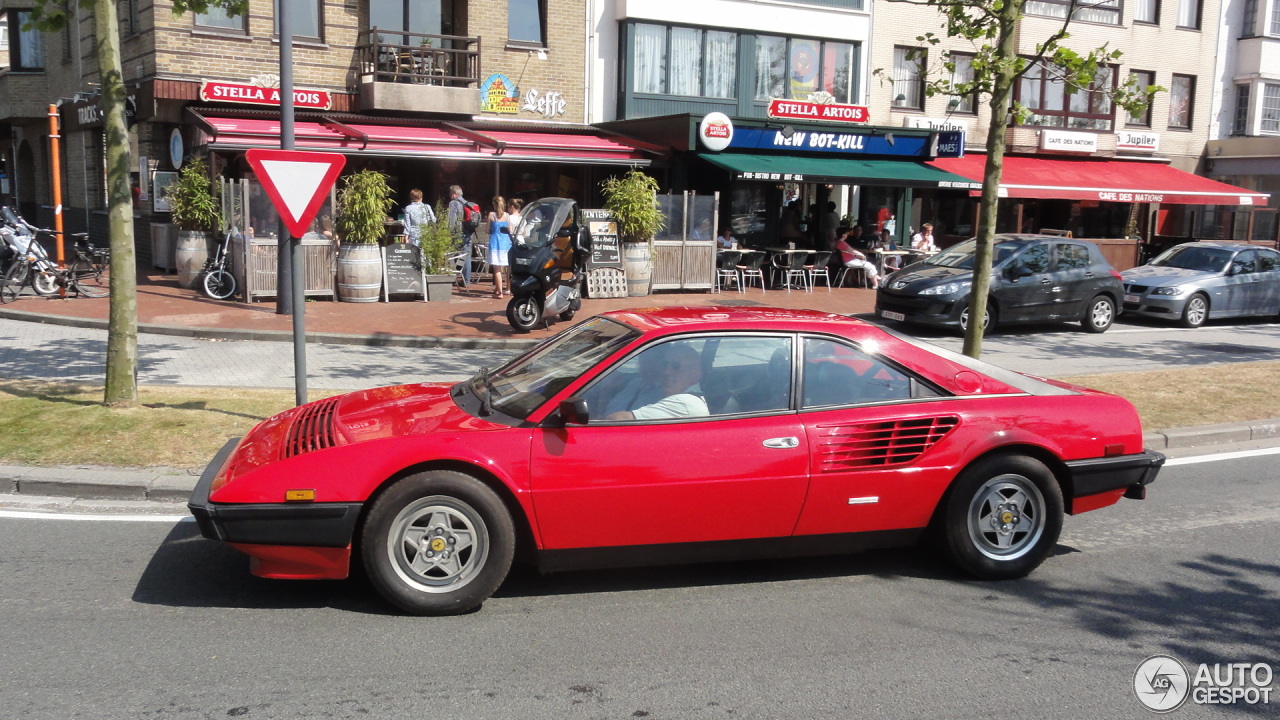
(499, 245)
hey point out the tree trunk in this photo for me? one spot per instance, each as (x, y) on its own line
(988, 205)
(122, 328)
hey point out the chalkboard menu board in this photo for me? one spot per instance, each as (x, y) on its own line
(605, 250)
(402, 272)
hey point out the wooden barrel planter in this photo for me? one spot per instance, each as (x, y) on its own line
(359, 273)
(639, 267)
(190, 255)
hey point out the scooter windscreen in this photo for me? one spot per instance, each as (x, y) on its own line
(541, 219)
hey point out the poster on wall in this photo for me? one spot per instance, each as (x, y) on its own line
(161, 185)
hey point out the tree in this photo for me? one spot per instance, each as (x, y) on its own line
(993, 27)
(122, 326)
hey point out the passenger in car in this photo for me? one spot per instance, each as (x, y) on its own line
(680, 368)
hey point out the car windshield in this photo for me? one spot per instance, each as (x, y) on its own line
(1190, 257)
(520, 386)
(961, 256)
(540, 219)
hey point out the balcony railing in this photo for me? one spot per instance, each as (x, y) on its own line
(396, 56)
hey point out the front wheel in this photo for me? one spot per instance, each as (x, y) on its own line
(438, 543)
(1002, 517)
(14, 278)
(90, 280)
(1100, 314)
(988, 318)
(218, 284)
(524, 313)
(45, 282)
(1196, 311)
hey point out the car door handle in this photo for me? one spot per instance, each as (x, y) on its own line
(1045, 281)
(783, 443)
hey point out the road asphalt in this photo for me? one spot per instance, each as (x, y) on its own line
(60, 339)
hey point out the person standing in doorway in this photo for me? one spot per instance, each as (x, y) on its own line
(416, 215)
(499, 244)
(464, 230)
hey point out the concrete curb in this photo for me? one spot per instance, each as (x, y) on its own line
(174, 485)
(379, 339)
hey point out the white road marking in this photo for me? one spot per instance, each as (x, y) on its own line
(1221, 456)
(30, 515)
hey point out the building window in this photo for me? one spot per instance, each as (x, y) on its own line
(423, 17)
(1099, 11)
(1241, 124)
(908, 77)
(1275, 17)
(1045, 94)
(1270, 107)
(216, 18)
(26, 47)
(1142, 79)
(525, 22)
(1189, 14)
(305, 17)
(798, 67)
(1250, 15)
(1181, 98)
(960, 74)
(1147, 11)
(703, 63)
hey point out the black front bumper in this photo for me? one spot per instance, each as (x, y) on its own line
(303, 524)
(1132, 472)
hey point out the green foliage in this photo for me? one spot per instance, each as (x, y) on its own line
(193, 203)
(437, 242)
(633, 201)
(363, 203)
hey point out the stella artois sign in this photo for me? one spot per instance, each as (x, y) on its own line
(816, 111)
(216, 91)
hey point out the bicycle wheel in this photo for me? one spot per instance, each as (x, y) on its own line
(218, 284)
(90, 281)
(14, 278)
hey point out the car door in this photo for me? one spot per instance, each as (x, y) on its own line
(1074, 279)
(1243, 283)
(739, 471)
(1269, 282)
(870, 426)
(1026, 290)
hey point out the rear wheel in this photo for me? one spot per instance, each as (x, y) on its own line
(1196, 311)
(438, 543)
(567, 315)
(1002, 517)
(218, 284)
(90, 280)
(524, 313)
(1099, 315)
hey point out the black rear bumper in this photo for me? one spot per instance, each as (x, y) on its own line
(1132, 472)
(305, 524)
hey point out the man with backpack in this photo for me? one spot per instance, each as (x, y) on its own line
(464, 218)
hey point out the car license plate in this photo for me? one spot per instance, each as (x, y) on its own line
(1132, 298)
(890, 315)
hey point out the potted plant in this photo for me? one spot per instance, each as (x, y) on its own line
(437, 242)
(632, 199)
(196, 211)
(363, 203)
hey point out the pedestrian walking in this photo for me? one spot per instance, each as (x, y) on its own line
(499, 244)
(417, 214)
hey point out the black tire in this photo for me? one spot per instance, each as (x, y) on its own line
(1195, 312)
(411, 544)
(218, 284)
(45, 283)
(991, 318)
(1002, 517)
(89, 280)
(524, 313)
(14, 278)
(567, 315)
(1099, 314)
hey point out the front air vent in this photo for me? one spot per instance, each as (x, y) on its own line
(879, 444)
(312, 429)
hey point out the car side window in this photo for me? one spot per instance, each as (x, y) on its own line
(839, 374)
(1072, 257)
(1268, 261)
(1035, 259)
(1246, 261)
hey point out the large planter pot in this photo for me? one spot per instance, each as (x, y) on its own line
(359, 273)
(440, 287)
(190, 255)
(639, 267)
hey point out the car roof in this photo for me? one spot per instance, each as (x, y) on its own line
(723, 317)
(1220, 244)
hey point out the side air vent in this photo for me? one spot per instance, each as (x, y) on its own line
(311, 430)
(879, 444)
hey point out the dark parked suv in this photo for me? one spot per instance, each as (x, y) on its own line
(1034, 278)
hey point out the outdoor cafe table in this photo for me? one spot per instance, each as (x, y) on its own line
(880, 255)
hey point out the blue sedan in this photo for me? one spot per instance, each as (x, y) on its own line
(1200, 281)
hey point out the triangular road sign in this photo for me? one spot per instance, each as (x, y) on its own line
(296, 181)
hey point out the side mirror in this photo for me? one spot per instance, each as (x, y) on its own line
(567, 231)
(1235, 269)
(1018, 271)
(574, 411)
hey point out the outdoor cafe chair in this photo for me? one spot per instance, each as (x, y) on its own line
(817, 268)
(791, 265)
(749, 268)
(727, 269)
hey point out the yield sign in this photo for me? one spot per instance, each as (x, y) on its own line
(296, 182)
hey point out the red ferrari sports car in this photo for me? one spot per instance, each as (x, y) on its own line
(673, 435)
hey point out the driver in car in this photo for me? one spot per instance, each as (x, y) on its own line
(677, 370)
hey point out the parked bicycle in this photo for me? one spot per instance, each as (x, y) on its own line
(216, 279)
(88, 274)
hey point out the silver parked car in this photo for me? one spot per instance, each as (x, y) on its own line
(1196, 281)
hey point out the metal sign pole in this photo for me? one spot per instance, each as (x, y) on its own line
(298, 286)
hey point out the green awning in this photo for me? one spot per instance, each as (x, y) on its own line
(841, 170)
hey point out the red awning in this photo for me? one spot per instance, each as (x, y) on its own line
(1105, 180)
(439, 140)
